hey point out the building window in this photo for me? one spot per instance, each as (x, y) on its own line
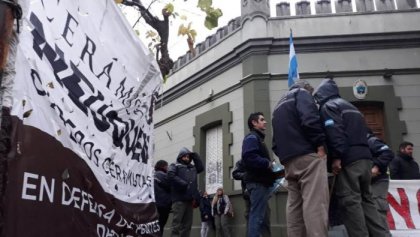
(212, 141)
(214, 161)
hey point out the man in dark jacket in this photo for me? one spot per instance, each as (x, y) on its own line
(352, 161)
(298, 139)
(259, 176)
(382, 156)
(162, 193)
(183, 177)
(404, 166)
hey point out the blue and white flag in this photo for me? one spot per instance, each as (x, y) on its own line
(293, 66)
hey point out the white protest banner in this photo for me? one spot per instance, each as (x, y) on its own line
(404, 208)
(82, 137)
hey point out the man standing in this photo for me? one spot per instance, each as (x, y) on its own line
(259, 176)
(404, 166)
(298, 140)
(352, 161)
(382, 156)
(183, 177)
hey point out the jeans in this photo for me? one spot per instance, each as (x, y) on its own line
(259, 195)
(205, 226)
(266, 226)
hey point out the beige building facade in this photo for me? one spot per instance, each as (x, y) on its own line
(243, 68)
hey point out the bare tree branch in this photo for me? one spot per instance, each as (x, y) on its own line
(148, 8)
(162, 27)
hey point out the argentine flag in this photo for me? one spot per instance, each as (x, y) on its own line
(293, 66)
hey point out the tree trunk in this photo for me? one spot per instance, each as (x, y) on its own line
(6, 25)
(162, 27)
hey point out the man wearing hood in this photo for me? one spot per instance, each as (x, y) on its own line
(404, 166)
(348, 148)
(184, 190)
(298, 139)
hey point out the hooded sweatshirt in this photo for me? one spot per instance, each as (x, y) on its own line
(183, 176)
(344, 125)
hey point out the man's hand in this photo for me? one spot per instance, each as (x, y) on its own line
(270, 165)
(336, 166)
(194, 203)
(375, 171)
(321, 152)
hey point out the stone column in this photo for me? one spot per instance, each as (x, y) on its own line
(255, 7)
(385, 5)
(406, 4)
(343, 6)
(303, 8)
(364, 5)
(283, 9)
(323, 6)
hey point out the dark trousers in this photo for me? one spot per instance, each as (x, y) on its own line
(221, 222)
(182, 219)
(379, 194)
(353, 191)
(163, 217)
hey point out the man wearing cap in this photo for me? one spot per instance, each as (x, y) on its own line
(184, 190)
(298, 141)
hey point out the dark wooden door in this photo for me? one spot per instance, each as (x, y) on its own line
(374, 117)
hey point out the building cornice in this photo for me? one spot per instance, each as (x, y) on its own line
(267, 76)
(271, 46)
